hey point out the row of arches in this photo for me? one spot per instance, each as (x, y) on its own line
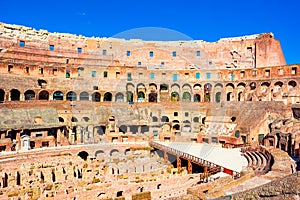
(198, 93)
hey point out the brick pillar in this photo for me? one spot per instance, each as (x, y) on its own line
(165, 156)
(178, 162)
(190, 167)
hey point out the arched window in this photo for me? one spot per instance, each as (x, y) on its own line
(119, 97)
(107, 96)
(58, 95)
(29, 95)
(218, 96)
(186, 96)
(96, 97)
(44, 95)
(84, 96)
(15, 95)
(2, 95)
(71, 96)
(174, 96)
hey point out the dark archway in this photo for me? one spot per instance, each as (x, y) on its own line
(197, 98)
(218, 97)
(96, 97)
(153, 97)
(15, 95)
(83, 155)
(29, 95)
(84, 96)
(164, 119)
(107, 96)
(71, 96)
(44, 95)
(58, 95)
(2, 95)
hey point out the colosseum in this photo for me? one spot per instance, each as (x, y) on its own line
(107, 118)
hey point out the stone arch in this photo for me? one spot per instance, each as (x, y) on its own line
(113, 152)
(175, 96)
(2, 95)
(141, 91)
(252, 85)
(61, 119)
(74, 119)
(165, 119)
(186, 96)
(29, 95)
(15, 95)
(71, 96)
(101, 152)
(278, 84)
(218, 97)
(163, 87)
(207, 92)
(154, 119)
(119, 97)
(230, 85)
(197, 98)
(152, 97)
(58, 95)
(107, 96)
(96, 97)
(83, 154)
(123, 129)
(127, 151)
(44, 95)
(197, 87)
(292, 84)
(175, 88)
(84, 96)
(129, 96)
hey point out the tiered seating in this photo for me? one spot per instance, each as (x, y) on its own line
(259, 159)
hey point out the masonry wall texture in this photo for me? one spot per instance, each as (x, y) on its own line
(61, 89)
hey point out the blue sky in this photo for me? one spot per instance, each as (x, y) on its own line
(203, 20)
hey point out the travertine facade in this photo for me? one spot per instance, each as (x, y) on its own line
(77, 90)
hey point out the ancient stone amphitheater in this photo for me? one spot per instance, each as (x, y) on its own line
(107, 118)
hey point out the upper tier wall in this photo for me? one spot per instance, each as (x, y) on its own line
(259, 50)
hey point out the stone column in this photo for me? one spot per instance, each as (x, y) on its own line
(190, 167)
(165, 156)
(178, 162)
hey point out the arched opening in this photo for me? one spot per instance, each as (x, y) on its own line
(96, 97)
(15, 95)
(141, 96)
(58, 95)
(207, 92)
(113, 152)
(218, 97)
(44, 95)
(2, 95)
(154, 119)
(18, 178)
(174, 96)
(61, 119)
(163, 87)
(158, 186)
(99, 153)
(74, 119)
(240, 96)
(197, 98)
(252, 86)
(53, 176)
(71, 96)
(176, 127)
(186, 96)
(83, 155)
(153, 97)
(85, 119)
(140, 189)
(5, 180)
(129, 96)
(196, 119)
(123, 129)
(127, 152)
(84, 96)
(228, 96)
(292, 84)
(29, 95)
(107, 96)
(119, 97)
(119, 193)
(164, 119)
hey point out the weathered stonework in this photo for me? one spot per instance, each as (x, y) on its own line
(61, 89)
